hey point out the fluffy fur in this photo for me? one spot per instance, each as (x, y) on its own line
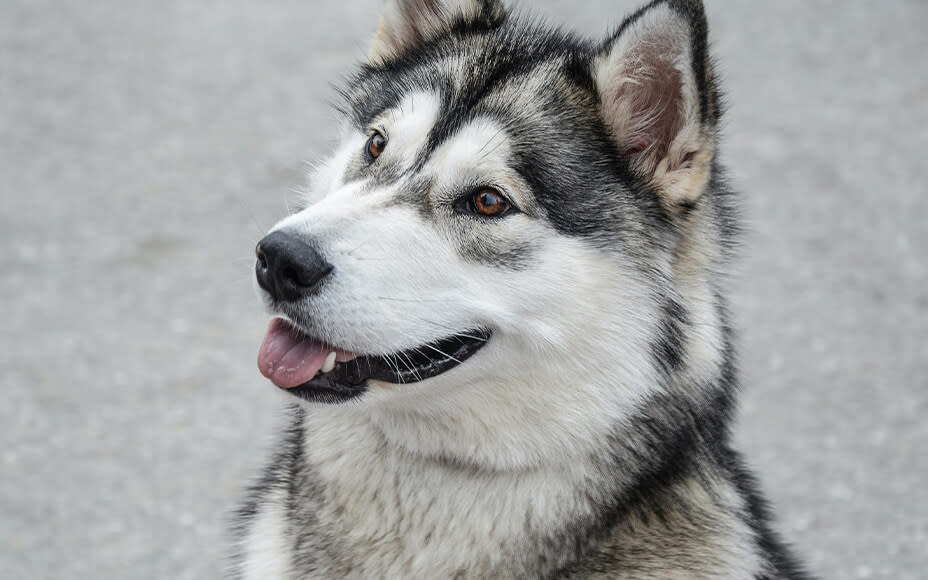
(589, 438)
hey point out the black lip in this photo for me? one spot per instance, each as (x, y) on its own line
(348, 380)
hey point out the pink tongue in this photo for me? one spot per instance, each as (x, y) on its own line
(289, 359)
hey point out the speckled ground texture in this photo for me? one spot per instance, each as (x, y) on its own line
(145, 146)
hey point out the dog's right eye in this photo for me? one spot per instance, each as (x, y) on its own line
(376, 145)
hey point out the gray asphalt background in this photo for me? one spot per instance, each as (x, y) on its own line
(145, 146)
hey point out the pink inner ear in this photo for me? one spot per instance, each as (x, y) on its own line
(635, 145)
(651, 100)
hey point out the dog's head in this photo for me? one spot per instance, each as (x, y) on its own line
(512, 214)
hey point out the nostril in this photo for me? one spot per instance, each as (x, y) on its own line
(298, 276)
(262, 259)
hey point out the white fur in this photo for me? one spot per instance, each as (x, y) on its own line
(265, 548)
(416, 519)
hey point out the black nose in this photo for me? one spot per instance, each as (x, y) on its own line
(288, 267)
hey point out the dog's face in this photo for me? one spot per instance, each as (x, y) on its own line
(500, 211)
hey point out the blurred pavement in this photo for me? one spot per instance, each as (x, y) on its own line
(145, 147)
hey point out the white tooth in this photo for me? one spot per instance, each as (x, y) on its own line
(329, 363)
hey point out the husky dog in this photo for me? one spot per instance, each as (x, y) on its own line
(501, 316)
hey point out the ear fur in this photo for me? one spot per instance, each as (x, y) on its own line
(658, 97)
(406, 24)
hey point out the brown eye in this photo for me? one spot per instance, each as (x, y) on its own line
(490, 202)
(375, 145)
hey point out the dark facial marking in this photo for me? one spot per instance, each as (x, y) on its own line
(669, 349)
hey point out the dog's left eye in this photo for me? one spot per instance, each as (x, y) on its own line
(487, 202)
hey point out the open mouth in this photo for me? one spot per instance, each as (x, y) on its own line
(315, 371)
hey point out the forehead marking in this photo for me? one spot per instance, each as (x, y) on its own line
(480, 149)
(408, 124)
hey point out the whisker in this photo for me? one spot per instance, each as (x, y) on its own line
(446, 355)
(490, 140)
(411, 366)
(393, 363)
(448, 328)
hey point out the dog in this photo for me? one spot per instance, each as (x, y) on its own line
(500, 316)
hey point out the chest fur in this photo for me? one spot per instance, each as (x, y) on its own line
(352, 506)
(379, 512)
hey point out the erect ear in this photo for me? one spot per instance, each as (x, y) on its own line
(659, 99)
(408, 23)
